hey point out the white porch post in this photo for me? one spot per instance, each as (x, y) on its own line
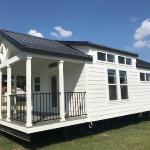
(8, 91)
(15, 92)
(61, 90)
(0, 94)
(28, 92)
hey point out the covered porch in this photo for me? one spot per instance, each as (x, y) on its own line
(42, 90)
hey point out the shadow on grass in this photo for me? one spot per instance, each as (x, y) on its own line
(43, 139)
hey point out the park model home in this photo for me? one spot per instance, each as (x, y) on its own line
(47, 84)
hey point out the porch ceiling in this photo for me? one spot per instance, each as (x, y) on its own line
(19, 67)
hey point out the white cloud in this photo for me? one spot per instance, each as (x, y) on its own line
(142, 35)
(143, 31)
(35, 33)
(60, 32)
(142, 43)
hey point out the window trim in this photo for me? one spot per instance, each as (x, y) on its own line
(116, 59)
(109, 84)
(145, 77)
(119, 100)
(111, 55)
(102, 53)
(126, 61)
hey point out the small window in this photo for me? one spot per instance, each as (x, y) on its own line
(121, 60)
(101, 56)
(112, 84)
(123, 84)
(142, 76)
(37, 84)
(148, 77)
(128, 61)
(110, 58)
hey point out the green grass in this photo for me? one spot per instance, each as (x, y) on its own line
(131, 137)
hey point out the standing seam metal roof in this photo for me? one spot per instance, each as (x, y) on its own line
(43, 46)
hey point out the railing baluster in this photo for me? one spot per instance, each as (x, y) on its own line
(42, 109)
(75, 104)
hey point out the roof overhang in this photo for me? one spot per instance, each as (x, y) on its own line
(95, 45)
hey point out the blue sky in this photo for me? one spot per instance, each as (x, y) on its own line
(116, 23)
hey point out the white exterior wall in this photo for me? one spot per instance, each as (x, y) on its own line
(74, 81)
(99, 105)
(74, 77)
(92, 78)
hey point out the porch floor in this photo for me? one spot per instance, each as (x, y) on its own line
(37, 120)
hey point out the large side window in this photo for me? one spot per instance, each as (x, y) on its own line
(123, 84)
(101, 56)
(37, 84)
(112, 84)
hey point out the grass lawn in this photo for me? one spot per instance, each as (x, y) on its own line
(130, 137)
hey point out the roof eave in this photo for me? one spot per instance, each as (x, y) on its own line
(44, 52)
(90, 44)
(142, 67)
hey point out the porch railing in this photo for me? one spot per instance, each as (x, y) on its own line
(4, 106)
(18, 107)
(45, 106)
(75, 104)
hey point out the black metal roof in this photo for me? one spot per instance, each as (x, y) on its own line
(95, 45)
(142, 64)
(39, 45)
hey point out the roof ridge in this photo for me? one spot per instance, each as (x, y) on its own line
(27, 34)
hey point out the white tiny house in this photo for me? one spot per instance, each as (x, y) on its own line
(52, 84)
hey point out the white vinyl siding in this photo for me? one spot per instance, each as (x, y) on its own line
(99, 105)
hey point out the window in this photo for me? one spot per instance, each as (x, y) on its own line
(4, 80)
(147, 76)
(128, 61)
(37, 84)
(121, 60)
(21, 82)
(142, 76)
(110, 58)
(112, 84)
(101, 56)
(123, 84)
